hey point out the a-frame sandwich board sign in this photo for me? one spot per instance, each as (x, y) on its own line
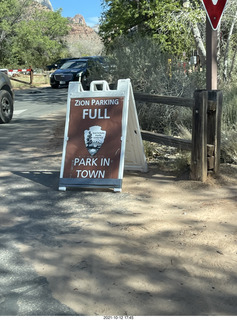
(102, 136)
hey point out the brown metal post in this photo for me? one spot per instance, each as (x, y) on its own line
(211, 49)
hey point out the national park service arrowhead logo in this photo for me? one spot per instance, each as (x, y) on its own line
(94, 139)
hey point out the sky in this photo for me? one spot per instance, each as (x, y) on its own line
(89, 9)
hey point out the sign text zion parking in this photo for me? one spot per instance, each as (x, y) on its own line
(100, 125)
(93, 122)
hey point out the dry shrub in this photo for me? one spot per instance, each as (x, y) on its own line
(153, 71)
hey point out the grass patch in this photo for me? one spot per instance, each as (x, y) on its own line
(38, 81)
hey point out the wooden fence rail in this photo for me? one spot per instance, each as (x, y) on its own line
(31, 74)
(154, 98)
(167, 140)
(206, 129)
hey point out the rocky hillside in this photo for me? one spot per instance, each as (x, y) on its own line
(79, 29)
(82, 40)
(78, 19)
(45, 3)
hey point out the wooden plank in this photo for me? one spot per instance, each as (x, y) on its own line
(173, 101)
(215, 98)
(210, 150)
(210, 163)
(167, 140)
(199, 136)
(21, 81)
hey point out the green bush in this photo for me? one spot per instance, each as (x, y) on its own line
(229, 123)
(229, 115)
(153, 71)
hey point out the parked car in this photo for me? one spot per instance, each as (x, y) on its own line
(58, 63)
(4, 71)
(6, 99)
(73, 69)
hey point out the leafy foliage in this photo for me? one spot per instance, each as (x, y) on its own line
(153, 71)
(178, 26)
(161, 19)
(29, 36)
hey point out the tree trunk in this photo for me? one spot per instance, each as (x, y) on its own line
(226, 55)
(199, 43)
(232, 63)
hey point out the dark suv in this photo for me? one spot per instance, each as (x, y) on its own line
(6, 99)
(57, 64)
(86, 68)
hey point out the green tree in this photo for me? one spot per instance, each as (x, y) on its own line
(177, 26)
(227, 41)
(226, 34)
(10, 14)
(29, 36)
(162, 19)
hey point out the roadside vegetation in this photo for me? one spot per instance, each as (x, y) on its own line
(159, 45)
(29, 36)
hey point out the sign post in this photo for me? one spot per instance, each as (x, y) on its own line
(214, 10)
(211, 60)
(101, 129)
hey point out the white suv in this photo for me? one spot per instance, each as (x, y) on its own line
(6, 99)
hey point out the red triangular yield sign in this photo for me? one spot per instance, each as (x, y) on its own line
(214, 10)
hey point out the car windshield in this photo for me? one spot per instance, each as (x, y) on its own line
(74, 64)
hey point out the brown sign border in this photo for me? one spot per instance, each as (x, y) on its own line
(102, 169)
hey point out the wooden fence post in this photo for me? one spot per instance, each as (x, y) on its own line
(206, 134)
(31, 75)
(199, 136)
(214, 113)
(206, 130)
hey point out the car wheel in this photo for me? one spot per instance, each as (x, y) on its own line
(55, 85)
(6, 106)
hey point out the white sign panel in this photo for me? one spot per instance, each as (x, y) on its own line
(102, 136)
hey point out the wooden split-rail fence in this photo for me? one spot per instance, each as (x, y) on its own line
(206, 129)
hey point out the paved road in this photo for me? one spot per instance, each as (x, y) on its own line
(22, 185)
(36, 220)
(32, 103)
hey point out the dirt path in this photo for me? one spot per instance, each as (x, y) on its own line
(161, 247)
